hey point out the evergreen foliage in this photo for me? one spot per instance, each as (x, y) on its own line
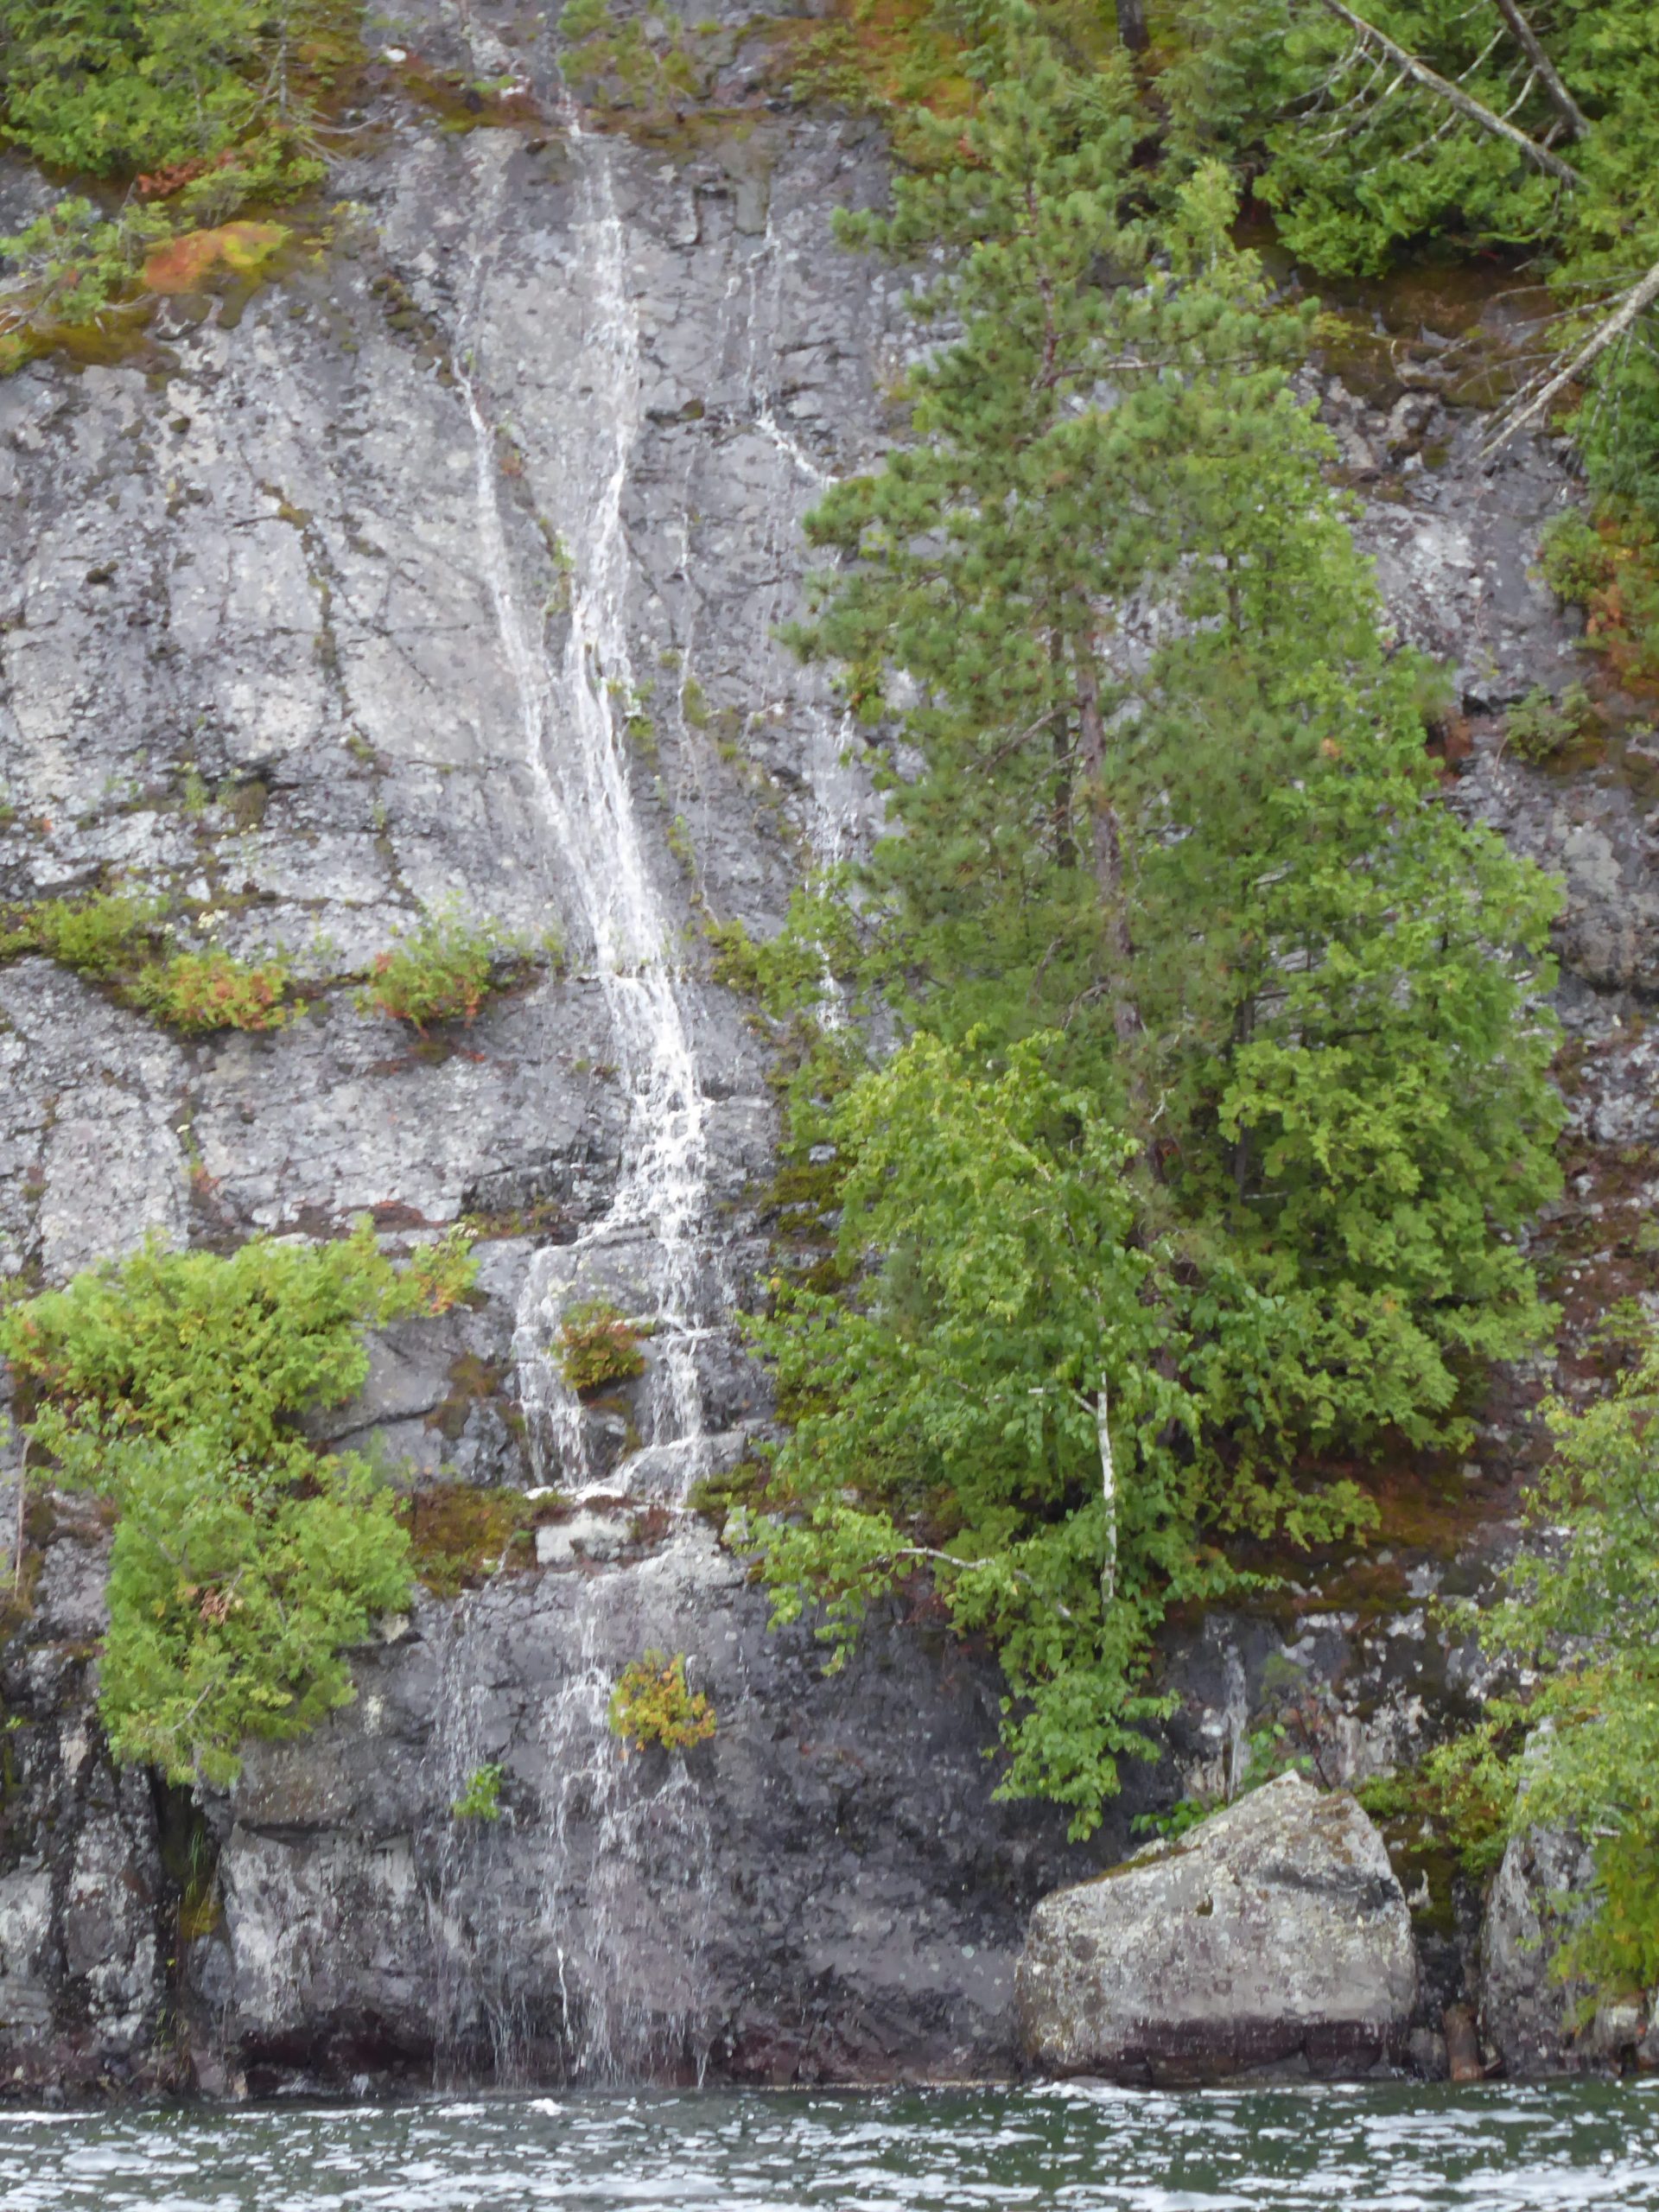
(246, 1563)
(1166, 839)
(1359, 162)
(1582, 1615)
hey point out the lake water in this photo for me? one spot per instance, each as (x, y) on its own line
(1395, 2148)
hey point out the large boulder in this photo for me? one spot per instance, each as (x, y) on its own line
(1274, 1939)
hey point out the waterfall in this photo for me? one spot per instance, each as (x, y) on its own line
(614, 1841)
(577, 767)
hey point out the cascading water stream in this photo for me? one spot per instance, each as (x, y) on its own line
(579, 774)
(614, 1843)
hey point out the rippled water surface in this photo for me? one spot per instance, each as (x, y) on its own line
(1360, 2150)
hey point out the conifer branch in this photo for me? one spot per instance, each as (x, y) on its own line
(1561, 99)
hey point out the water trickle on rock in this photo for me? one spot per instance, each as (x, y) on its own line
(649, 1254)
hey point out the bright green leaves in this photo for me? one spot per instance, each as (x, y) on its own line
(235, 1592)
(946, 1411)
(233, 1346)
(1583, 1610)
(246, 1563)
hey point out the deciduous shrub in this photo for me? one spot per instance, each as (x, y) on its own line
(481, 1799)
(103, 937)
(200, 992)
(652, 1704)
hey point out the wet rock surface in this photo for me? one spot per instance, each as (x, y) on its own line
(1271, 1939)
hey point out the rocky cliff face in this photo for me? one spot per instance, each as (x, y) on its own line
(449, 567)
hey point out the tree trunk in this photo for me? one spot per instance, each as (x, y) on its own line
(1131, 25)
(1065, 851)
(1454, 95)
(1107, 1498)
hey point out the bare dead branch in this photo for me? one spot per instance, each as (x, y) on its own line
(1640, 296)
(1469, 108)
(1561, 99)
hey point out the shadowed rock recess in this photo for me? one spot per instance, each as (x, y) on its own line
(450, 568)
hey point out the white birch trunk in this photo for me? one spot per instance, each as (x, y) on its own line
(1107, 1498)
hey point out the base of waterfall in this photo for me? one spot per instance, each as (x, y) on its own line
(1274, 1940)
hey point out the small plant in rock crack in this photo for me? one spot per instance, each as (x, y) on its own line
(598, 1344)
(481, 1799)
(442, 971)
(652, 1704)
(1540, 726)
(200, 992)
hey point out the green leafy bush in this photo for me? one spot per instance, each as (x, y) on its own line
(1460, 1798)
(443, 970)
(651, 1704)
(597, 1343)
(1576, 559)
(246, 1563)
(1609, 565)
(481, 1799)
(1582, 1616)
(236, 1589)
(200, 992)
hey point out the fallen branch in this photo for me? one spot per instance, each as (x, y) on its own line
(1468, 107)
(1561, 99)
(1639, 296)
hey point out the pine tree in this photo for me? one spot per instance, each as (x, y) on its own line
(1228, 1095)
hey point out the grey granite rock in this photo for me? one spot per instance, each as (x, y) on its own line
(1274, 1938)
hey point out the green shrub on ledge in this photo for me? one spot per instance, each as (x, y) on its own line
(651, 1704)
(481, 1799)
(444, 971)
(103, 937)
(597, 1343)
(246, 1563)
(197, 992)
